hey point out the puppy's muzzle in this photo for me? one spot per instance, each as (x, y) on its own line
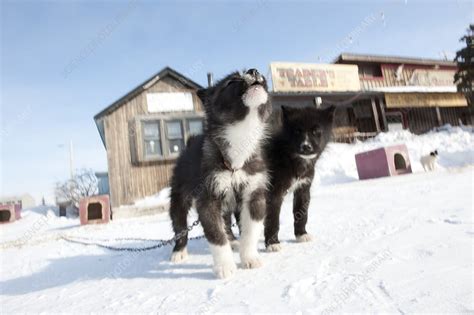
(306, 148)
(253, 77)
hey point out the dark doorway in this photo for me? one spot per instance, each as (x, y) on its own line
(400, 163)
(62, 210)
(94, 211)
(5, 215)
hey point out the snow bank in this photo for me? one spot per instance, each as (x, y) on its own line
(455, 146)
(35, 222)
(161, 198)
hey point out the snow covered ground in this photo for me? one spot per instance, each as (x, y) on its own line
(396, 245)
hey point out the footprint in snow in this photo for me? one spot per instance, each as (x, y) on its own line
(302, 289)
(452, 221)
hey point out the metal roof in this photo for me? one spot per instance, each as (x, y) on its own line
(348, 57)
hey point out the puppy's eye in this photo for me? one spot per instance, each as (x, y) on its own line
(298, 131)
(316, 132)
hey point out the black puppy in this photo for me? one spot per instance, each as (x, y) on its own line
(225, 169)
(292, 154)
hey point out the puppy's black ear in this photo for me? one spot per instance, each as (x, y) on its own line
(202, 94)
(436, 152)
(285, 112)
(330, 112)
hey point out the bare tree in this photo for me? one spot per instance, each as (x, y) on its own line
(83, 184)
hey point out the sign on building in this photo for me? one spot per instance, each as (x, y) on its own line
(169, 102)
(307, 77)
(423, 77)
(396, 100)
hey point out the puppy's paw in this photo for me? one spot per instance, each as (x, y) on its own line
(304, 238)
(274, 247)
(179, 256)
(252, 262)
(224, 271)
(235, 244)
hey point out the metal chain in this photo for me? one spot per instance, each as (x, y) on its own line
(94, 242)
(160, 244)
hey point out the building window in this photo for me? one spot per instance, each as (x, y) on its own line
(152, 139)
(195, 127)
(370, 71)
(175, 137)
(163, 137)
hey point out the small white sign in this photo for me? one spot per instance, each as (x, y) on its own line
(395, 126)
(169, 102)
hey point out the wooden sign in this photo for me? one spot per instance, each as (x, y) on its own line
(307, 77)
(423, 77)
(397, 100)
(169, 102)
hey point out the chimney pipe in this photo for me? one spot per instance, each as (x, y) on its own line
(210, 80)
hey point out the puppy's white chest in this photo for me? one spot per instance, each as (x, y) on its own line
(224, 182)
(298, 183)
(243, 138)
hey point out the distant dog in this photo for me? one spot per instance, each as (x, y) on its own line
(225, 169)
(292, 155)
(429, 161)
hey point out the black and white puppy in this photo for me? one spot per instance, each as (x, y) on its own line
(292, 155)
(225, 169)
(429, 161)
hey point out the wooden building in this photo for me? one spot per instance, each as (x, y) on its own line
(143, 133)
(393, 93)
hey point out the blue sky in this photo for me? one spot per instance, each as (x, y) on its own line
(64, 61)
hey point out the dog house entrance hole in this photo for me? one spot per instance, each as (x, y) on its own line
(94, 211)
(400, 163)
(5, 215)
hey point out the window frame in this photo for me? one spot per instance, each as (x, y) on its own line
(363, 74)
(162, 119)
(145, 138)
(167, 138)
(188, 130)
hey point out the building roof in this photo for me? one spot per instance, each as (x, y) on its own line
(349, 57)
(167, 71)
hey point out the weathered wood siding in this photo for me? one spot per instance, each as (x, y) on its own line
(130, 182)
(389, 76)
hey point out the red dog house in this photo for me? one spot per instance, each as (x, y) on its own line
(388, 161)
(10, 213)
(95, 209)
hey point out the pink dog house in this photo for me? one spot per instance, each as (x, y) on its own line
(10, 213)
(95, 209)
(387, 161)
